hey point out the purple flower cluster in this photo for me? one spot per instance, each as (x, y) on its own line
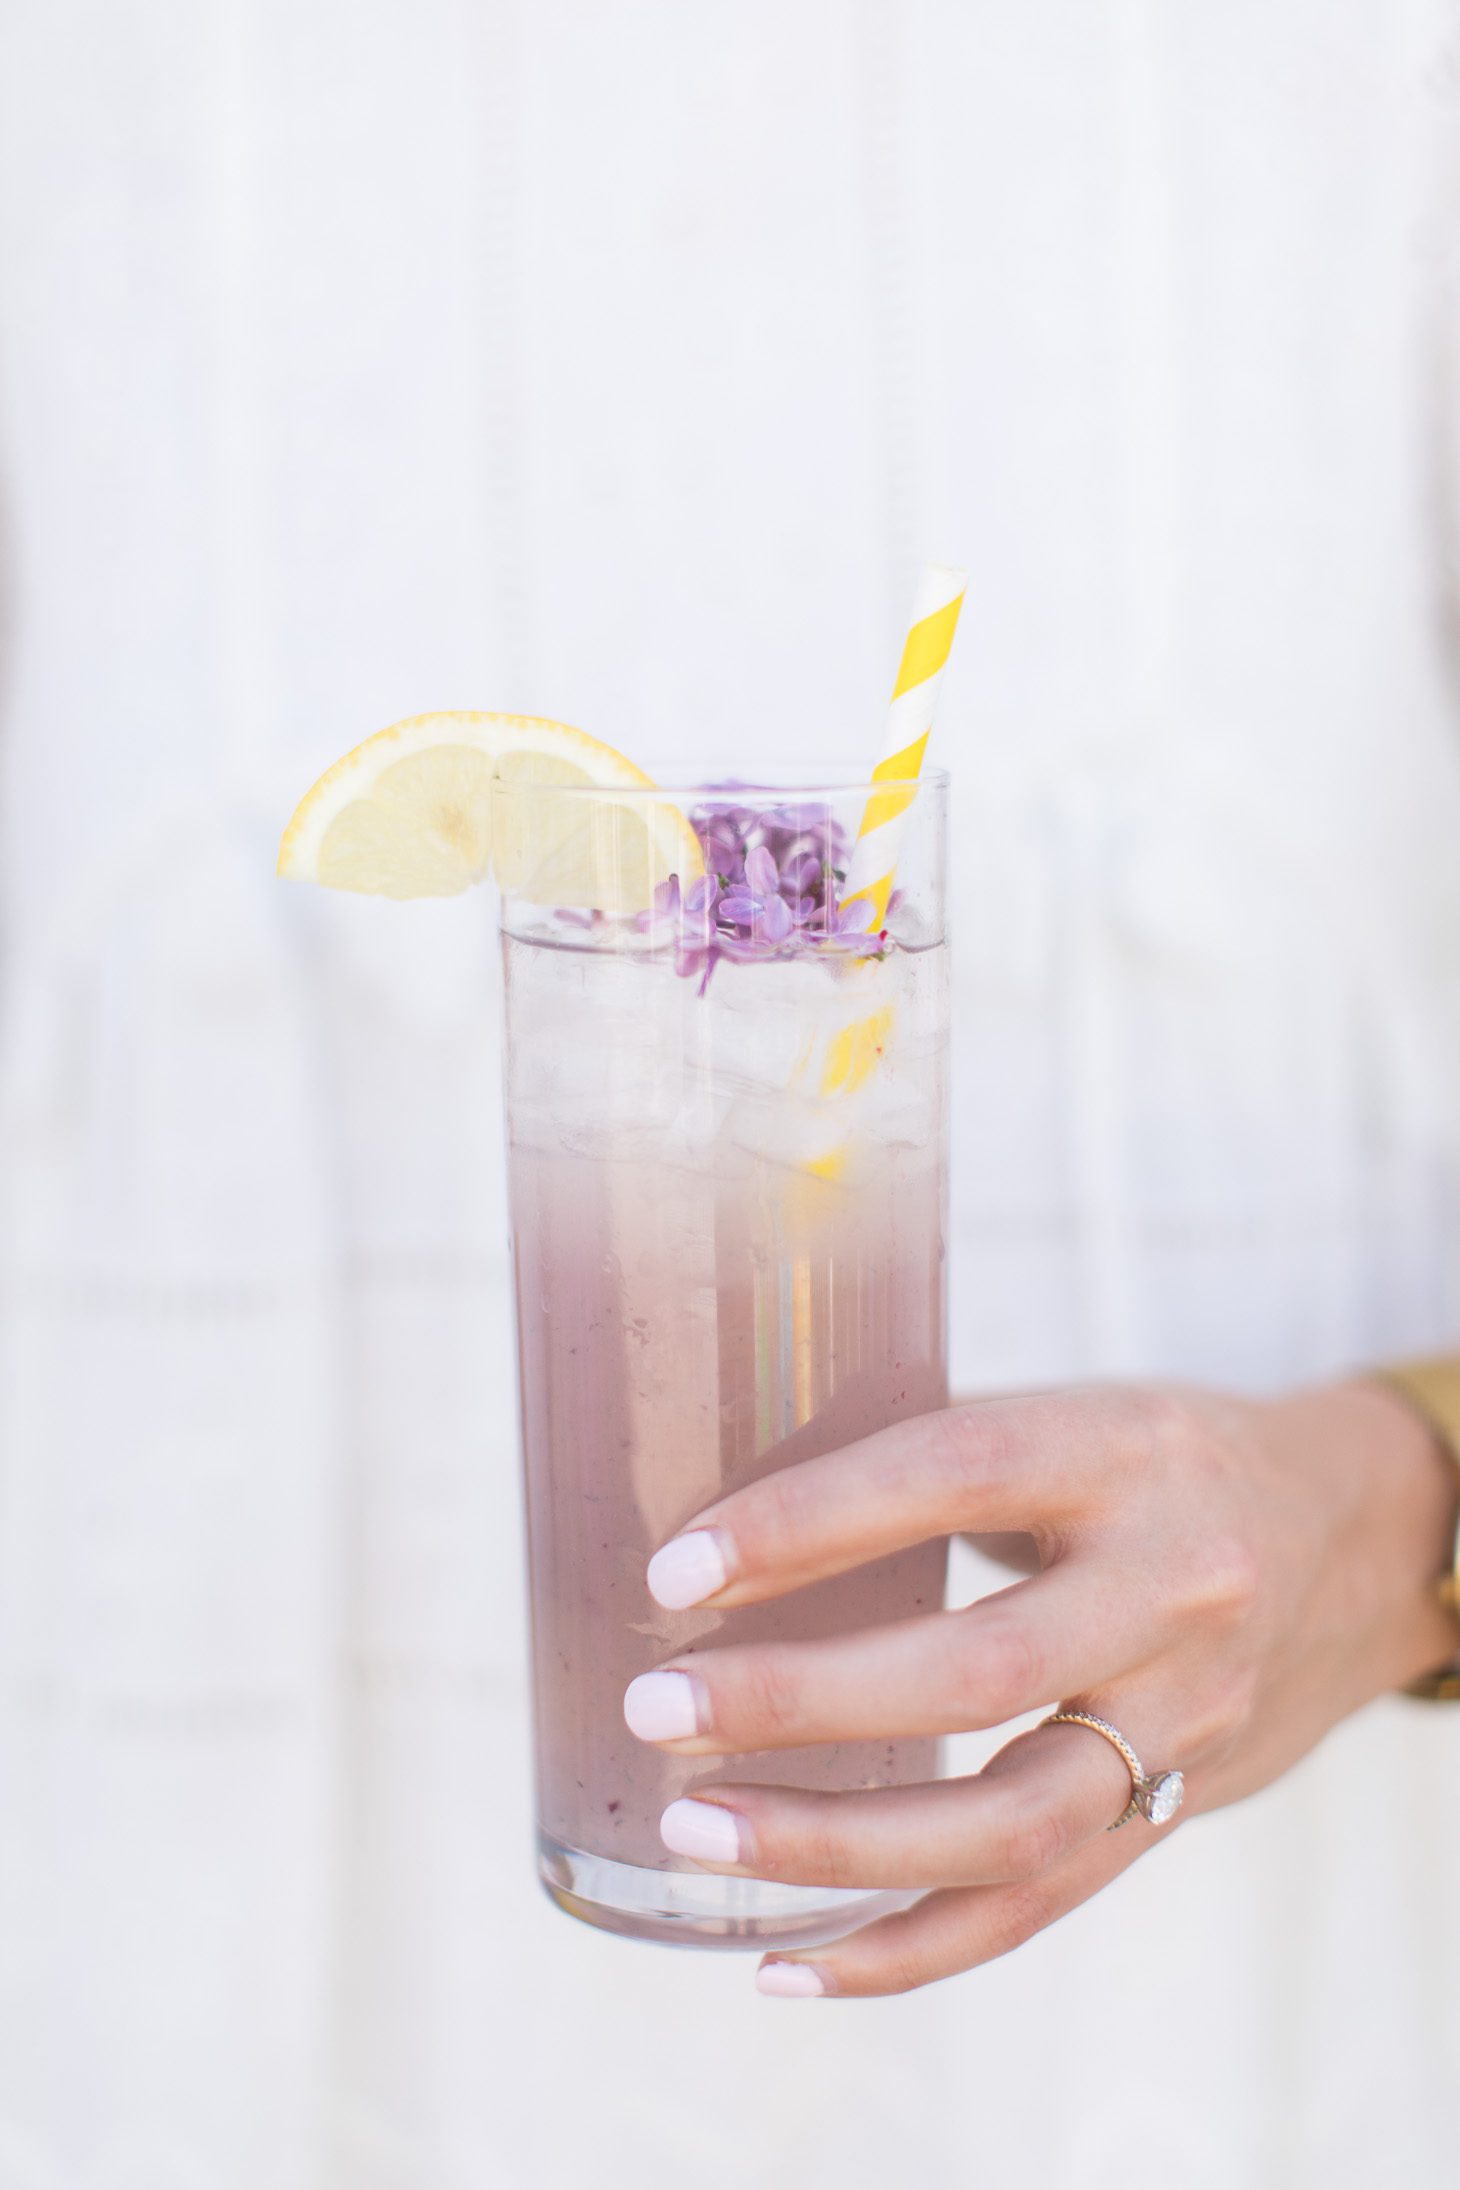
(769, 890)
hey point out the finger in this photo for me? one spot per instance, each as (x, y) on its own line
(951, 1931)
(1037, 1463)
(1034, 1803)
(1074, 1628)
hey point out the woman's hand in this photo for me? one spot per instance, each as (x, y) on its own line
(1223, 1580)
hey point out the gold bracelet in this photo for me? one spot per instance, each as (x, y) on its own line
(1432, 1391)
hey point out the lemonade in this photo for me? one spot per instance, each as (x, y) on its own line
(727, 1195)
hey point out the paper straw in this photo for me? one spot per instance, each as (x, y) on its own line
(924, 657)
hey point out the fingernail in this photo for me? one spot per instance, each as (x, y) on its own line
(662, 1706)
(689, 1569)
(705, 1830)
(789, 1981)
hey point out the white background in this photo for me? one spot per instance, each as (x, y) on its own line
(621, 362)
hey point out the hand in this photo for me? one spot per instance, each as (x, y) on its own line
(1221, 1579)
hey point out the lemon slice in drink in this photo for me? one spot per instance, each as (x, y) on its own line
(410, 813)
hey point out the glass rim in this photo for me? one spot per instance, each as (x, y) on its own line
(821, 786)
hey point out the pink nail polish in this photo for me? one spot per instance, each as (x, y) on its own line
(789, 1981)
(706, 1831)
(688, 1569)
(663, 1706)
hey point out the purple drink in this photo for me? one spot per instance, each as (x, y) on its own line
(728, 1202)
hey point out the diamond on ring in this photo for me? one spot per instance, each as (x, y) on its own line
(1159, 1799)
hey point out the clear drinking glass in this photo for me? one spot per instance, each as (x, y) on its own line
(726, 1126)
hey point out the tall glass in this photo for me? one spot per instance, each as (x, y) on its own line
(728, 1180)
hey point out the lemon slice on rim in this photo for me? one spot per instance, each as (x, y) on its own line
(410, 813)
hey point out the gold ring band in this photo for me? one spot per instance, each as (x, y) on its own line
(1155, 1796)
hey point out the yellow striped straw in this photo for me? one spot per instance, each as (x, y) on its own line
(924, 658)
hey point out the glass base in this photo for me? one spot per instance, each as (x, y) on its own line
(699, 1909)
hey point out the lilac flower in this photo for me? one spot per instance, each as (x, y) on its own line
(760, 871)
(769, 889)
(775, 920)
(800, 872)
(663, 911)
(854, 918)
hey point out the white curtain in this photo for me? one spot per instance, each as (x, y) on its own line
(620, 362)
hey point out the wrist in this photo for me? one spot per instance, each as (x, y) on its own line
(1361, 1457)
